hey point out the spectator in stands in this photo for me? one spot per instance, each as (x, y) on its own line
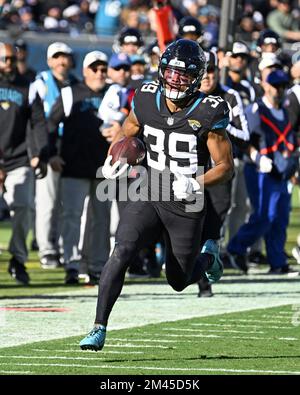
(86, 20)
(282, 21)
(27, 19)
(163, 22)
(107, 19)
(190, 28)
(152, 55)
(246, 27)
(20, 106)
(22, 66)
(238, 60)
(267, 44)
(53, 22)
(138, 71)
(130, 17)
(83, 151)
(48, 85)
(116, 103)
(129, 41)
(191, 7)
(72, 15)
(268, 123)
(209, 18)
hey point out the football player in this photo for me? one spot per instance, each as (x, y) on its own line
(182, 128)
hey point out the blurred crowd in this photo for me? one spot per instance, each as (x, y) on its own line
(66, 212)
(106, 17)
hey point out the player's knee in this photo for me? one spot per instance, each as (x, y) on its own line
(124, 252)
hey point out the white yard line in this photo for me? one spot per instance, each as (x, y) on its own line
(158, 368)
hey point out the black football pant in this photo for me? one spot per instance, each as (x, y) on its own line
(218, 202)
(141, 224)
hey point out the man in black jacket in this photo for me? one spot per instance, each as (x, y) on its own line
(82, 151)
(18, 106)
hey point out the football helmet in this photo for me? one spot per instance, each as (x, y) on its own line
(181, 69)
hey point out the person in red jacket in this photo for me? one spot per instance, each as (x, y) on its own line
(163, 22)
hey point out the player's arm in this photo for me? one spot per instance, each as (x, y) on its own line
(220, 150)
(130, 128)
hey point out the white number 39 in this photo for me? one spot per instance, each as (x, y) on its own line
(214, 100)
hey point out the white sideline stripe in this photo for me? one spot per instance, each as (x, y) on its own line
(16, 371)
(92, 352)
(243, 326)
(232, 337)
(156, 368)
(212, 330)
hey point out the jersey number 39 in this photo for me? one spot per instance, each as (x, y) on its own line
(163, 150)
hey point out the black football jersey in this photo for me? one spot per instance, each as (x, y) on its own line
(176, 142)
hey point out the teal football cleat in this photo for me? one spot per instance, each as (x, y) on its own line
(94, 340)
(216, 270)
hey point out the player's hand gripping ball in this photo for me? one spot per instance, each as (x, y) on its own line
(128, 151)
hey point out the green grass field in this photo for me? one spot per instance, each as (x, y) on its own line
(258, 342)
(250, 326)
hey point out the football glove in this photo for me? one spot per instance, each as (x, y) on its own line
(184, 186)
(264, 163)
(110, 171)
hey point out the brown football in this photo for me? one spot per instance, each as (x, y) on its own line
(129, 150)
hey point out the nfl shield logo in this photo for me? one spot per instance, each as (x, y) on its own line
(170, 121)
